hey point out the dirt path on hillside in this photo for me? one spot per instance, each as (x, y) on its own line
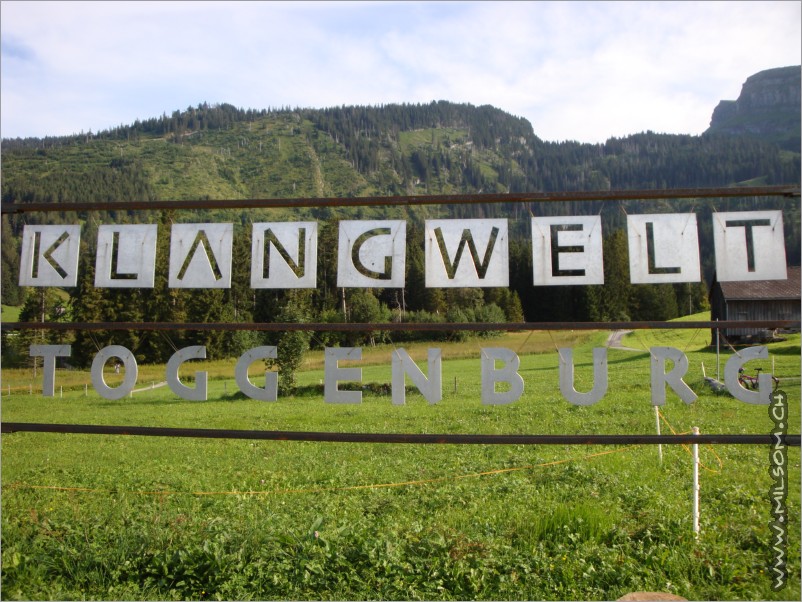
(615, 338)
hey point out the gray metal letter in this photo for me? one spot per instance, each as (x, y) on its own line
(200, 255)
(178, 358)
(578, 250)
(663, 248)
(371, 254)
(126, 256)
(284, 255)
(49, 255)
(131, 371)
(508, 374)
(486, 264)
(750, 245)
(270, 392)
(760, 397)
(49, 353)
(567, 377)
(673, 378)
(431, 388)
(333, 373)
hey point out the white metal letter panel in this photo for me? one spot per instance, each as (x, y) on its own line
(200, 255)
(578, 249)
(126, 256)
(372, 254)
(467, 253)
(749, 245)
(663, 248)
(49, 255)
(284, 255)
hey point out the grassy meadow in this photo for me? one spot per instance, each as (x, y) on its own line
(118, 517)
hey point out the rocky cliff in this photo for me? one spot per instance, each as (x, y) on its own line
(768, 108)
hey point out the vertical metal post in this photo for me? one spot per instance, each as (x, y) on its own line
(657, 422)
(718, 350)
(695, 448)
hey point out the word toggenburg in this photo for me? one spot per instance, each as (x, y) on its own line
(499, 365)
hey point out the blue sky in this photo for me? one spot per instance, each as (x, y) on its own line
(583, 71)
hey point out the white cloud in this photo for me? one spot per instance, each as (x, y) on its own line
(576, 70)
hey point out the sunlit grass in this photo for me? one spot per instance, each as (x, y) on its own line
(105, 517)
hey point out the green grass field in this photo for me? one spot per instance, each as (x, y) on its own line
(10, 313)
(105, 517)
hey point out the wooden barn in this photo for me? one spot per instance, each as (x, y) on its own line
(755, 300)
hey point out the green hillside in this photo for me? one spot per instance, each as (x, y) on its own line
(221, 152)
(357, 151)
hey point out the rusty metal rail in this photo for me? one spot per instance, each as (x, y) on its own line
(447, 199)
(402, 326)
(413, 438)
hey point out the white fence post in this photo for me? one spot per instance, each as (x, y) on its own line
(695, 448)
(657, 422)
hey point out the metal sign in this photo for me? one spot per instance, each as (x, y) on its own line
(663, 248)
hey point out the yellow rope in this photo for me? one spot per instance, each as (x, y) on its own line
(329, 489)
(687, 449)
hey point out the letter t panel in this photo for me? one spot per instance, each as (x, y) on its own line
(749, 246)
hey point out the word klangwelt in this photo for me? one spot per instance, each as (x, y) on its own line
(566, 250)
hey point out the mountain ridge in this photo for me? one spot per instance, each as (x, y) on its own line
(769, 107)
(224, 153)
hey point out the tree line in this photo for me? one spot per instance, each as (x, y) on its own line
(466, 149)
(617, 299)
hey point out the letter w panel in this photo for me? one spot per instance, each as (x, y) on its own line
(467, 253)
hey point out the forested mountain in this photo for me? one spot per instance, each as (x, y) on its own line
(222, 152)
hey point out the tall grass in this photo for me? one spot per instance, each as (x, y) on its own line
(105, 517)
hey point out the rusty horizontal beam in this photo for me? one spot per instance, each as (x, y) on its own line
(401, 326)
(447, 199)
(415, 438)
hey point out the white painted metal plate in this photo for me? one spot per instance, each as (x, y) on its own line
(467, 253)
(126, 256)
(333, 374)
(663, 248)
(507, 374)
(749, 245)
(567, 377)
(372, 254)
(567, 250)
(49, 255)
(284, 255)
(200, 255)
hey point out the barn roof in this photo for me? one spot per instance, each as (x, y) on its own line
(764, 290)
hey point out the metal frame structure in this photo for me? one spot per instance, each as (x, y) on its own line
(464, 199)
